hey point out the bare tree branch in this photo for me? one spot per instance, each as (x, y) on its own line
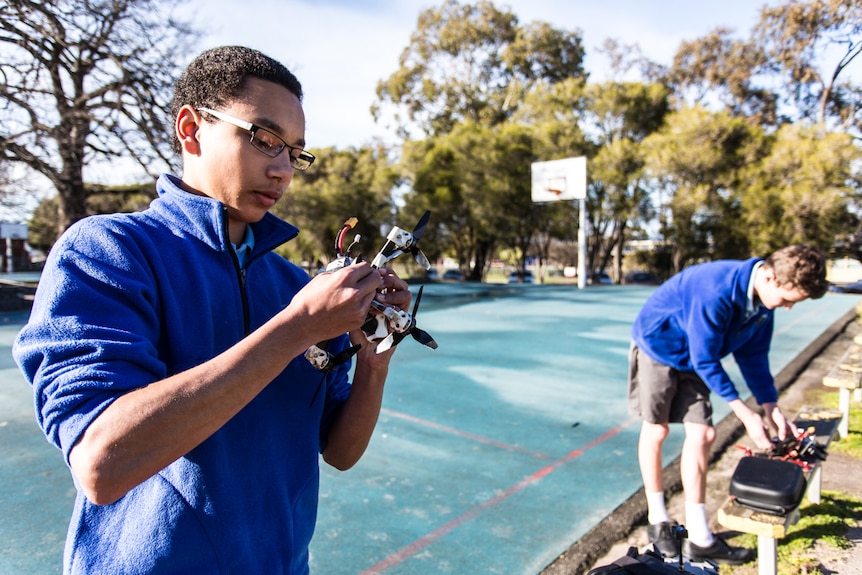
(86, 81)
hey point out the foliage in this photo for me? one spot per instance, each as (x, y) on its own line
(44, 226)
(741, 145)
(852, 444)
(794, 66)
(826, 523)
(623, 114)
(697, 159)
(474, 182)
(798, 38)
(473, 63)
(87, 81)
(341, 184)
(799, 192)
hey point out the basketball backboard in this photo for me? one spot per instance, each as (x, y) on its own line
(559, 180)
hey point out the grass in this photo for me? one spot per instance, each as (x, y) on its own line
(826, 523)
(852, 444)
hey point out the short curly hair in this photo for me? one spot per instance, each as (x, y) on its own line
(802, 267)
(218, 76)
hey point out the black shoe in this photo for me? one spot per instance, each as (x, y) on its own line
(662, 537)
(719, 551)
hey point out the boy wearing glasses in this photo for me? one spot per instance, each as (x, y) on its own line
(685, 328)
(165, 348)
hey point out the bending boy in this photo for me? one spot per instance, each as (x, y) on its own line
(685, 328)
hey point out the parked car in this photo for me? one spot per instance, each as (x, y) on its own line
(641, 278)
(452, 275)
(521, 277)
(601, 278)
(423, 276)
(854, 287)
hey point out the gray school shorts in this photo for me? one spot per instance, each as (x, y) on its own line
(661, 394)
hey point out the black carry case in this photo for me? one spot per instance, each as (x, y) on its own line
(769, 485)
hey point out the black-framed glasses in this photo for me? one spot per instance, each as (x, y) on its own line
(266, 141)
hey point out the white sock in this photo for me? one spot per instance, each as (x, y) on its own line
(656, 507)
(697, 524)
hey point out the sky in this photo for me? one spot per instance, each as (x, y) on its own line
(341, 49)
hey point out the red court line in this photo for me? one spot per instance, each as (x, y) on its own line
(454, 431)
(423, 542)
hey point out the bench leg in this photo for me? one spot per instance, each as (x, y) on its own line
(767, 555)
(857, 394)
(844, 407)
(814, 482)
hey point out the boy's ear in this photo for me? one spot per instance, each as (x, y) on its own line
(186, 126)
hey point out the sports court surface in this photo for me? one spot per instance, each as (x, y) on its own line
(493, 454)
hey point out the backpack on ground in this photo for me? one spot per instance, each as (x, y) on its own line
(651, 563)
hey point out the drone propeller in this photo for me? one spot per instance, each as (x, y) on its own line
(331, 362)
(421, 225)
(420, 258)
(419, 335)
(344, 355)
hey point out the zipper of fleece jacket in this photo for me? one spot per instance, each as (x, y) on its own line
(240, 276)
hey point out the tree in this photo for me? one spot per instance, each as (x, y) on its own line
(720, 67)
(341, 184)
(505, 203)
(476, 181)
(553, 112)
(795, 66)
(621, 114)
(448, 177)
(803, 191)
(473, 63)
(697, 160)
(799, 38)
(43, 229)
(87, 81)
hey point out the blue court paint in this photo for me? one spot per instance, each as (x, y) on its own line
(518, 368)
(493, 454)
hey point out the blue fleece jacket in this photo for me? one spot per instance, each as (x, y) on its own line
(129, 299)
(698, 317)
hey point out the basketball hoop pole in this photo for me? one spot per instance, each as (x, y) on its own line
(582, 243)
(560, 181)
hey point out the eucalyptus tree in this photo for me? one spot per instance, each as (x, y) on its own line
(797, 64)
(554, 112)
(620, 115)
(468, 68)
(352, 182)
(697, 161)
(473, 62)
(720, 68)
(474, 182)
(813, 45)
(42, 229)
(87, 81)
(804, 191)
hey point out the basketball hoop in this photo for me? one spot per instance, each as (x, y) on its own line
(556, 186)
(559, 180)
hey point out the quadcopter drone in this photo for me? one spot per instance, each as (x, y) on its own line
(385, 325)
(802, 450)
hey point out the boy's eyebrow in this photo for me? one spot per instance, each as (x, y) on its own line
(274, 127)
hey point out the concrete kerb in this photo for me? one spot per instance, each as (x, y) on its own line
(597, 542)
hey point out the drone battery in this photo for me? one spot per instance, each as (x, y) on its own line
(768, 485)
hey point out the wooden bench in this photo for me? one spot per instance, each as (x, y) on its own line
(847, 377)
(770, 528)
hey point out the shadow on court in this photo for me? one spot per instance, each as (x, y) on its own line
(493, 454)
